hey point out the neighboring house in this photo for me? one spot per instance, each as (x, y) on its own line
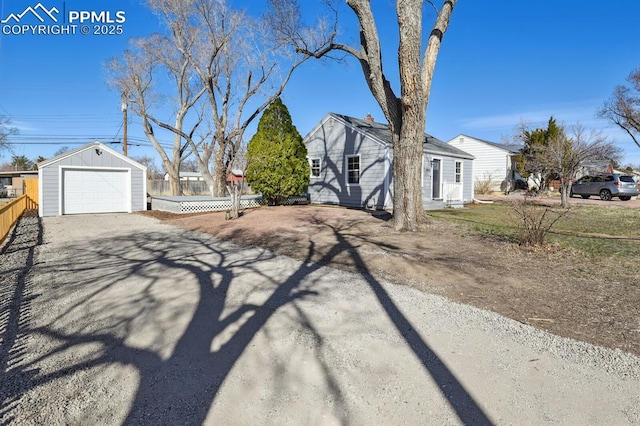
(187, 176)
(91, 179)
(635, 174)
(236, 179)
(493, 162)
(235, 175)
(13, 182)
(351, 165)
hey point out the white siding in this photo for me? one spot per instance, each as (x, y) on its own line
(450, 191)
(490, 163)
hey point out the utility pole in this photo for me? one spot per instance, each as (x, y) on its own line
(124, 126)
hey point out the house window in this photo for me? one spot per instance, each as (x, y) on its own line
(314, 163)
(353, 169)
(458, 171)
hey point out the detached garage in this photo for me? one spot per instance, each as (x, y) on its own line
(91, 179)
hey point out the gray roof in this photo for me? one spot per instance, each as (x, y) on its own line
(382, 133)
(18, 173)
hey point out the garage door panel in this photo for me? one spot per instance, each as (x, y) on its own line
(95, 191)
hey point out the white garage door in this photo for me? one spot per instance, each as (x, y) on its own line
(95, 191)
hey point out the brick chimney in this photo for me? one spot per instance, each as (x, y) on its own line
(369, 118)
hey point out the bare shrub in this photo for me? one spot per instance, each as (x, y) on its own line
(484, 186)
(535, 221)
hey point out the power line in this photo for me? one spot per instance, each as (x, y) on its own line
(133, 141)
(5, 111)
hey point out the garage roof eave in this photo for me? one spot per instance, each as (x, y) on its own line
(92, 145)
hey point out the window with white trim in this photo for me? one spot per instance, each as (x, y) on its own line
(315, 165)
(458, 172)
(353, 169)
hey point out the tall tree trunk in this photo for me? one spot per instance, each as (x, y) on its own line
(406, 114)
(173, 171)
(174, 184)
(565, 190)
(408, 210)
(234, 194)
(219, 173)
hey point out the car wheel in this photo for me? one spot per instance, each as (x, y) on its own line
(625, 198)
(605, 195)
(585, 196)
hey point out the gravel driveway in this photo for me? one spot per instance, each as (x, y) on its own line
(125, 320)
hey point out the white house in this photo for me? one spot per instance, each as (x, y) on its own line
(187, 176)
(493, 162)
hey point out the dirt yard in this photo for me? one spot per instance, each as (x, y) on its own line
(552, 289)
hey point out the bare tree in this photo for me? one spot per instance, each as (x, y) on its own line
(61, 151)
(405, 113)
(189, 165)
(623, 108)
(240, 159)
(568, 155)
(239, 63)
(140, 74)
(153, 171)
(6, 130)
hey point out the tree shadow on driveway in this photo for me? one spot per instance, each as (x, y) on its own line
(128, 297)
(458, 397)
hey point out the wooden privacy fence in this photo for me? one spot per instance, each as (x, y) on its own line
(31, 191)
(11, 212)
(189, 187)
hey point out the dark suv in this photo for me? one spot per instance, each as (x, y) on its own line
(606, 186)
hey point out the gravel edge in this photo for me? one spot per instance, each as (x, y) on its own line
(17, 257)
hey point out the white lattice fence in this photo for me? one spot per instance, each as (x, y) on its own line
(295, 200)
(217, 205)
(182, 205)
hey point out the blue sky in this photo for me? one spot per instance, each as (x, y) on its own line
(501, 62)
